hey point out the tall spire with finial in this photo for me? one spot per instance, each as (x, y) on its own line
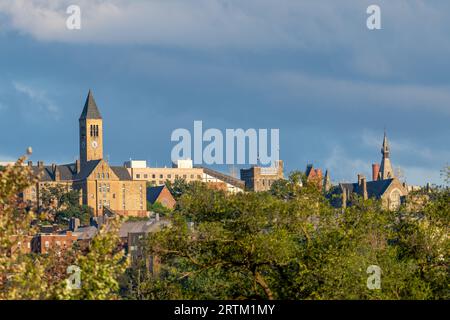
(386, 171)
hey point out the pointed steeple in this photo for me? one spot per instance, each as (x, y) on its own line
(386, 171)
(385, 148)
(90, 110)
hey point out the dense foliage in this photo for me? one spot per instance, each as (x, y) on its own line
(288, 243)
(32, 276)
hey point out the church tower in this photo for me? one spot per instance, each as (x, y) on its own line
(386, 171)
(91, 131)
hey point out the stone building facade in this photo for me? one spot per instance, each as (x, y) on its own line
(261, 178)
(384, 185)
(102, 186)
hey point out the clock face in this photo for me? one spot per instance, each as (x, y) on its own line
(94, 144)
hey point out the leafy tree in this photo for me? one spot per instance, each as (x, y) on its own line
(101, 267)
(158, 208)
(289, 243)
(32, 276)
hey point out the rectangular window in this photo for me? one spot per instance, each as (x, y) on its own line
(145, 176)
(138, 176)
(169, 176)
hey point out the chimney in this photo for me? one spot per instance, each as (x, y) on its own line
(74, 224)
(375, 171)
(40, 164)
(359, 179)
(78, 165)
(364, 188)
(30, 163)
(56, 172)
(344, 198)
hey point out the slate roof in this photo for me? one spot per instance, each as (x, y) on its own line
(140, 227)
(68, 171)
(153, 193)
(375, 189)
(86, 169)
(46, 173)
(121, 172)
(90, 110)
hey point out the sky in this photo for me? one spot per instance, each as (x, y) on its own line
(311, 69)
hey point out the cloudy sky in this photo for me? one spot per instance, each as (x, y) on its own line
(310, 68)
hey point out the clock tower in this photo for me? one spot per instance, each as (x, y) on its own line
(91, 131)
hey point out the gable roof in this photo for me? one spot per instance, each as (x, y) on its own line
(90, 110)
(86, 169)
(154, 192)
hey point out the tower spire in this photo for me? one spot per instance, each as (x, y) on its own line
(386, 171)
(91, 131)
(90, 110)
